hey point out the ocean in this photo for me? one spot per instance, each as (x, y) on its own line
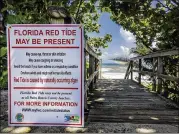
(113, 69)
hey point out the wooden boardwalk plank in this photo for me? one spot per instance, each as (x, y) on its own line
(123, 101)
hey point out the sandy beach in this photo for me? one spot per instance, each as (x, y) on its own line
(113, 72)
(113, 69)
(116, 70)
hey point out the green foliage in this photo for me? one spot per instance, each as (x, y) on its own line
(3, 61)
(4, 79)
(35, 12)
(3, 51)
(149, 24)
(97, 42)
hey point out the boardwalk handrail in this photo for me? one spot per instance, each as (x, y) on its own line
(93, 71)
(159, 54)
(89, 50)
(157, 71)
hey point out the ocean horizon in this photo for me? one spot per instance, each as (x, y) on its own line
(109, 62)
(112, 63)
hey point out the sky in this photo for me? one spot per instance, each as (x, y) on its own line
(122, 40)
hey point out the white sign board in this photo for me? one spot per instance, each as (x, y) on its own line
(45, 69)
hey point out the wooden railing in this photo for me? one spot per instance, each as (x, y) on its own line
(157, 71)
(91, 74)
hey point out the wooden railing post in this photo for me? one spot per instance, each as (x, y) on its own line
(132, 62)
(159, 71)
(154, 64)
(128, 71)
(91, 71)
(165, 87)
(85, 69)
(140, 69)
(95, 69)
(100, 68)
(178, 73)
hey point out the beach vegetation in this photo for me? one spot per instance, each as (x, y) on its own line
(35, 12)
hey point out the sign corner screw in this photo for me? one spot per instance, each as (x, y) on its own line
(80, 26)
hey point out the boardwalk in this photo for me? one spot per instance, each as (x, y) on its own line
(117, 106)
(124, 106)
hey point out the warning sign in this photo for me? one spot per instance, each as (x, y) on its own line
(45, 75)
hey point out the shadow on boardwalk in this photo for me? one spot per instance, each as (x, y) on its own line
(125, 106)
(115, 106)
